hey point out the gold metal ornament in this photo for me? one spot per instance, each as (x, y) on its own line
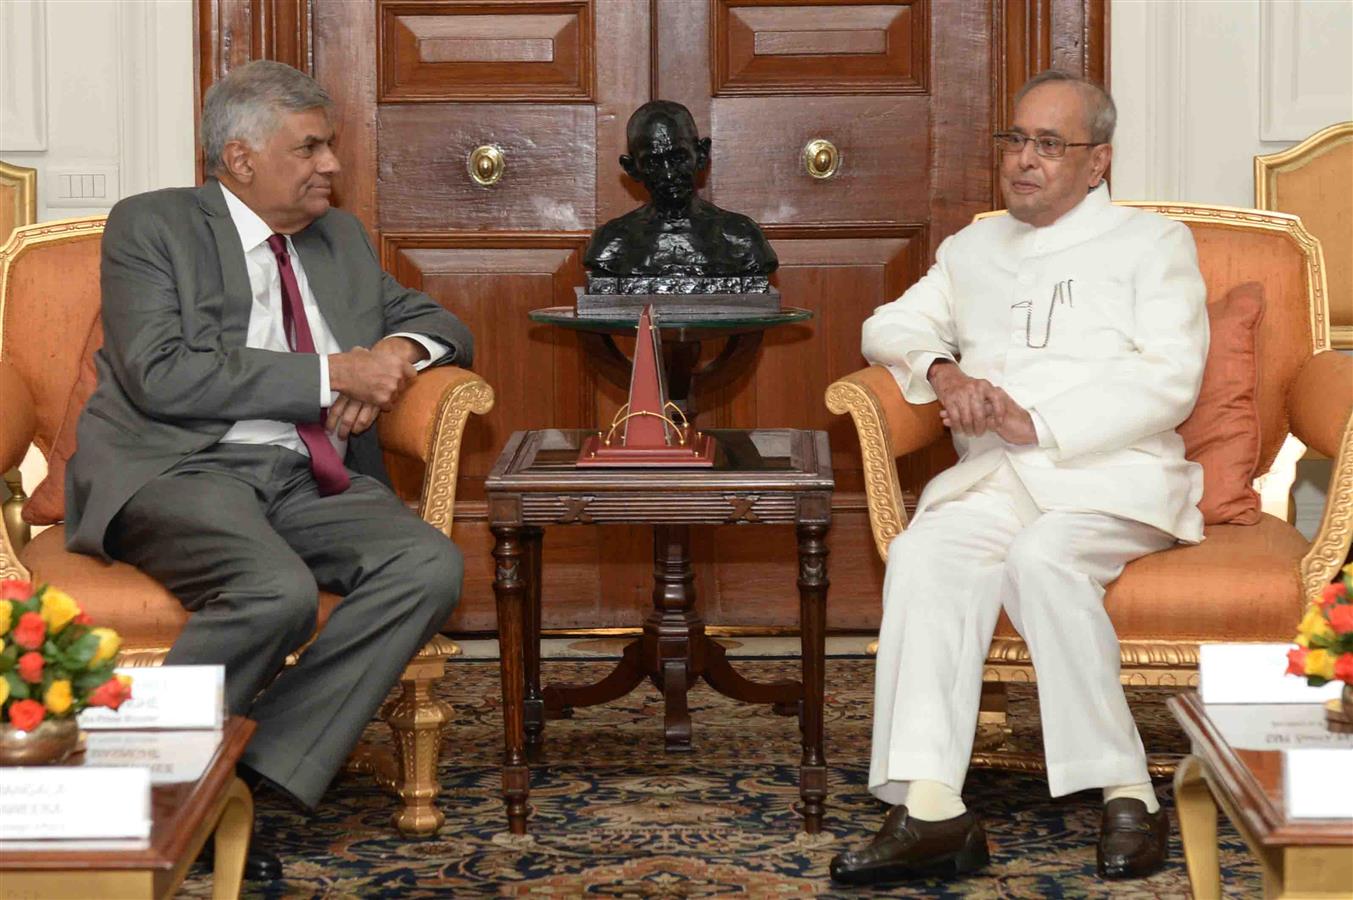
(486, 164)
(821, 158)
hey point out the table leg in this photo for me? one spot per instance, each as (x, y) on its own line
(813, 636)
(674, 635)
(1197, 811)
(510, 590)
(532, 539)
(233, 831)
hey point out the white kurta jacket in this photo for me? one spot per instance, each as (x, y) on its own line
(1097, 324)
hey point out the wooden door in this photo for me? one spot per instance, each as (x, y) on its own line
(908, 91)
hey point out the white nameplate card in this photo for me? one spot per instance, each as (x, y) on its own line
(1316, 784)
(171, 756)
(74, 802)
(166, 697)
(1254, 673)
(1275, 726)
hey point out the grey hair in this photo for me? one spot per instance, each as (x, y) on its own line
(244, 105)
(1101, 113)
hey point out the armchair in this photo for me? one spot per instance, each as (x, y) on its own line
(49, 310)
(1244, 582)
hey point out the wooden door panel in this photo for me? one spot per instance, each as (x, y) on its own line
(484, 51)
(549, 175)
(831, 47)
(758, 165)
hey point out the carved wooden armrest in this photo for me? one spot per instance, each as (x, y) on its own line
(1320, 406)
(18, 424)
(888, 427)
(427, 424)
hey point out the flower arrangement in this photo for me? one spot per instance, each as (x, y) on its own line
(1325, 636)
(53, 662)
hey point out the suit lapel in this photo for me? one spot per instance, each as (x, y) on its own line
(317, 258)
(239, 297)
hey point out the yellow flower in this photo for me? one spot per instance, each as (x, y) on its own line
(58, 609)
(4, 690)
(126, 680)
(1321, 663)
(109, 642)
(1348, 570)
(57, 699)
(1314, 625)
(6, 616)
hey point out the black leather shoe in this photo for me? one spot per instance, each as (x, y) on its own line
(1133, 843)
(259, 864)
(910, 848)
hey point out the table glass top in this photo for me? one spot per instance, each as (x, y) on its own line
(567, 317)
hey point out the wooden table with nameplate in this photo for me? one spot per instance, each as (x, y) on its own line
(184, 815)
(1301, 857)
(768, 476)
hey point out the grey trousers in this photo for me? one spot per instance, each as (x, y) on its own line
(240, 534)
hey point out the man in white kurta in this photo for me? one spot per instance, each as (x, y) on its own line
(1065, 342)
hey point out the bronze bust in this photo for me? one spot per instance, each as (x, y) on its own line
(677, 243)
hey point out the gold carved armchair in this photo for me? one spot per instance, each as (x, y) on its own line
(49, 311)
(1244, 582)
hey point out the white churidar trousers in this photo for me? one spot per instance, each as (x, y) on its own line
(949, 573)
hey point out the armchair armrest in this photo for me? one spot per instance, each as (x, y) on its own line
(427, 424)
(888, 427)
(18, 424)
(1320, 408)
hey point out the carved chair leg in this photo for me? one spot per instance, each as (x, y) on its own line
(417, 721)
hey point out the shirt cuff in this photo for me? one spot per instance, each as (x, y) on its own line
(327, 398)
(1044, 433)
(436, 349)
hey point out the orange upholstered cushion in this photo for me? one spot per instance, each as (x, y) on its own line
(117, 595)
(1222, 434)
(1240, 584)
(47, 506)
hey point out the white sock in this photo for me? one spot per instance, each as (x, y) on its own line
(933, 801)
(1141, 791)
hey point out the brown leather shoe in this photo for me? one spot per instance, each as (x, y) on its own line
(1133, 843)
(910, 848)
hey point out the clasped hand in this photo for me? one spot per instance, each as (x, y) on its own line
(368, 382)
(974, 406)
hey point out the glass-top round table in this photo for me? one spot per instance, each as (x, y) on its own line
(687, 380)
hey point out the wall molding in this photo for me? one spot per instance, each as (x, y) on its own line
(1289, 109)
(23, 72)
(138, 75)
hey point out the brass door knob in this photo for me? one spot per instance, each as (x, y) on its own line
(486, 164)
(821, 158)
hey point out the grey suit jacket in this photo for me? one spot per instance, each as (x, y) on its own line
(174, 373)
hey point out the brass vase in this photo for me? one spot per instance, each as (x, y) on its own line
(47, 745)
(1339, 713)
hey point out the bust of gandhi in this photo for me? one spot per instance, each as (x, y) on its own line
(676, 233)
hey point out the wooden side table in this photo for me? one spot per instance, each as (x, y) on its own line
(183, 817)
(759, 477)
(1300, 857)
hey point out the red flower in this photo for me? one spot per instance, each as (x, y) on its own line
(1343, 668)
(31, 631)
(26, 714)
(30, 667)
(1333, 593)
(83, 618)
(1296, 661)
(14, 589)
(112, 694)
(1341, 618)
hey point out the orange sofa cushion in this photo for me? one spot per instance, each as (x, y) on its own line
(47, 506)
(1240, 584)
(118, 596)
(1222, 434)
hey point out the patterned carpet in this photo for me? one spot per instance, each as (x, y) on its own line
(616, 817)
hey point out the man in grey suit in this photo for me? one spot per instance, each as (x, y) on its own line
(251, 341)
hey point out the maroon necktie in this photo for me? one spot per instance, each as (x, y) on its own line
(330, 475)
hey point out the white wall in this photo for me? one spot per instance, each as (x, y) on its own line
(1204, 86)
(102, 88)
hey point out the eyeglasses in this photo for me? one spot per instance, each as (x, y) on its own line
(1046, 146)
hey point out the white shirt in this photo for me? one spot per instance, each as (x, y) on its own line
(1096, 324)
(266, 330)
